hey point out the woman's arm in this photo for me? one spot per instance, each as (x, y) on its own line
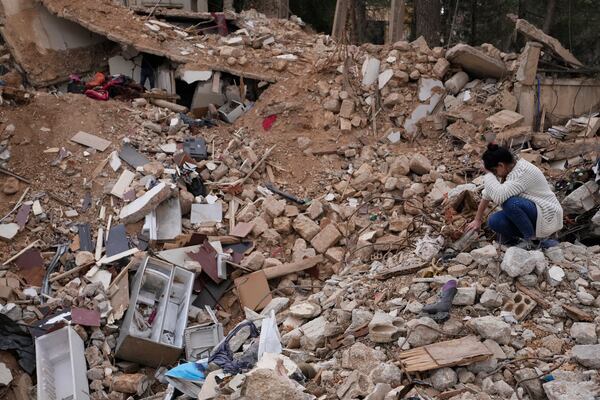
(476, 223)
(500, 192)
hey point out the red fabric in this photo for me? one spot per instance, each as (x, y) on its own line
(96, 95)
(269, 121)
(98, 80)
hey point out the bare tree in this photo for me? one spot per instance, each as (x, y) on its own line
(429, 20)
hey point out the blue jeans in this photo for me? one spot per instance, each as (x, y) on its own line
(516, 220)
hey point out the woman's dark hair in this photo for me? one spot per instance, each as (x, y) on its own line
(495, 155)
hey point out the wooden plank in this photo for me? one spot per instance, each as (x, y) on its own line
(463, 351)
(285, 269)
(577, 314)
(400, 270)
(90, 140)
(457, 350)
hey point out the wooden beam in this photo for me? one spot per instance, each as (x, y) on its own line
(342, 8)
(290, 268)
(396, 26)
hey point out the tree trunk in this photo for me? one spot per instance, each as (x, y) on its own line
(550, 7)
(429, 20)
(359, 21)
(473, 21)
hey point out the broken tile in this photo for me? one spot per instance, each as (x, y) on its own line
(117, 240)
(90, 140)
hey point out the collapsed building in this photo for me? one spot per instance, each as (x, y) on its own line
(271, 218)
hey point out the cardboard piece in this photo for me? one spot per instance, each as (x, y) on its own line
(253, 290)
(90, 140)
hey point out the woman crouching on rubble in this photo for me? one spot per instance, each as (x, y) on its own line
(530, 210)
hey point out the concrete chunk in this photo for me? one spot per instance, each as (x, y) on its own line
(8, 231)
(328, 237)
(476, 62)
(137, 209)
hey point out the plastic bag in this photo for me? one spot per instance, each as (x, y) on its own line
(270, 340)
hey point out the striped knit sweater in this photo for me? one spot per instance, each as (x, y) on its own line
(527, 181)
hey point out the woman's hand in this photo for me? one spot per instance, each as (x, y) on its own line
(475, 225)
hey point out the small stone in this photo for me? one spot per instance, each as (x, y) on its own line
(315, 210)
(305, 310)
(387, 373)
(303, 142)
(84, 257)
(274, 207)
(491, 299)
(306, 227)
(584, 333)
(443, 379)
(484, 255)
(422, 335)
(347, 108)
(6, 376)
(254, 261)
(420, 165)
(154, 168)
(585, 298)
(490, 327)
(11, 186)
(361, 358)
(465, 296)
(8, 231)
(325, 239)
(587, 355)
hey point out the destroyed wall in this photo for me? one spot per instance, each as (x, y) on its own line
(49, 48)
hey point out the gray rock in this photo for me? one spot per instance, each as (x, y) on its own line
(443, 379)
(584, 333)
(519, 262)
(387, 373)
(490, 327)
(587, 355)
(381, 389)
(491, 299)
(465, 296)
(533, 386)
(565, 390)
(465, 376)
(266, 384)
(503, 389)
(484, 255)
(362, 358)
(421, 335)
(6, 376)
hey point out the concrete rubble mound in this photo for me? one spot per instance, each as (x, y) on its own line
(278, 214)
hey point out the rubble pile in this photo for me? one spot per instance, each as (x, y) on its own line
(183, 257)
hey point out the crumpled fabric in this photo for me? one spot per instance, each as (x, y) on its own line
(269, 121)
(13, 337)
(223, 356)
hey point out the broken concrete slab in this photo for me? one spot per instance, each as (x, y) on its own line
(549, 42)
(206, 213)
(45, 45)
(137, 209)
(122, 184)
(476, 62)
(504, 119)
(328, 237)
